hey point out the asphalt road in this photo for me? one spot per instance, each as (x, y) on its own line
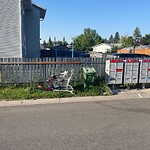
(103, 125)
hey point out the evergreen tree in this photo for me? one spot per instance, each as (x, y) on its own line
(44, 44)
(105, 41)
(111, 39)
(59, 43)
(137, 33)
(117, 37)
(50, 43)
(146, 39)
(65, 43)
(137, 37)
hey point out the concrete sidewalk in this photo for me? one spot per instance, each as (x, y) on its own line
(123, 95)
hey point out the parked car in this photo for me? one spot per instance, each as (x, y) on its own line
(129, 55)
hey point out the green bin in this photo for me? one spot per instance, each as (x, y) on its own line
(89, 75)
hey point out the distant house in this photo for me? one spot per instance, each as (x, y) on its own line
(144, 49)
(101, 48)
(20, 28)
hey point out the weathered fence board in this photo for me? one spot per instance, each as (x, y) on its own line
(28, 70)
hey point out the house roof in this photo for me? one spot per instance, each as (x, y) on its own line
(42, 10)
(28, 5)
(137, 47)
(109, 45)
(116, 44)
(102, 45)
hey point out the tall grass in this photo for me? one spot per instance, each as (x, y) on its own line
(19, 92)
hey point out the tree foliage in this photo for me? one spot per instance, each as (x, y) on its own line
(90, 38)
(137, 37)
(111, 39)
(146, 39)
(85, 41)
(60, 43)
(114, 49)
(44, 44)
(137, 33)
(117, 37)
(64, 42)
(50, 43)
(127, 41)
(104, 40)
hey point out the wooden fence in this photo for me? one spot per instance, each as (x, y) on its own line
(30, 70)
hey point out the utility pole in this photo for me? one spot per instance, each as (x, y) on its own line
(55, 47)
(72, 50)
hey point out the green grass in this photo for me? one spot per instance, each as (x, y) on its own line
(95, 90)
(19, 92)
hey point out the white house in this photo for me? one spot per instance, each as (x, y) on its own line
(20, 28)
(101, 48)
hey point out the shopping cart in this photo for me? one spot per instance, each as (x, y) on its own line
(61, 82)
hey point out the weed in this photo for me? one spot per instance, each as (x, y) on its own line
(18, 92)
(127, 86)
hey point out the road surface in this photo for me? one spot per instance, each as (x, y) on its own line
(103, 125)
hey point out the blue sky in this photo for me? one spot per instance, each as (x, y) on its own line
(68, 18)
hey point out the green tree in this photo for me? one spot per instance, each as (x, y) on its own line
(114, 49)
(65, 43)
(137, 37)
(111, 39)
(137, 33)
(60, 43)
(104, 40)
(50, 43)
(85, 41)
(127, 41)
(117, 37)
(44, 44)
(146, 39)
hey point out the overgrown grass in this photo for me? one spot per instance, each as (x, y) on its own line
(128, 86)
(19, 92)
(95, 90)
